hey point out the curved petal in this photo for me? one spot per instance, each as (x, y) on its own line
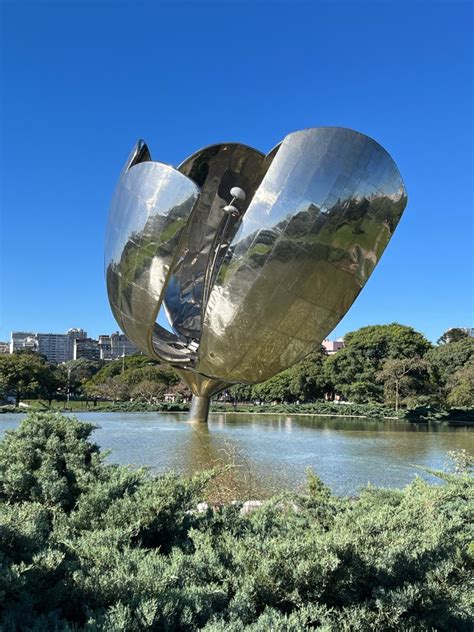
(215, 169)
(150, 208)
(312, 235)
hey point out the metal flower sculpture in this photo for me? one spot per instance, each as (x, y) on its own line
(254, 258)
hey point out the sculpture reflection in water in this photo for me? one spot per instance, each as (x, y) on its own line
(254, 259)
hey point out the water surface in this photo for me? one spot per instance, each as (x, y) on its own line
(272, 451)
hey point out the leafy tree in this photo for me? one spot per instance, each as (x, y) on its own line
(446, 360)
(360, 391)
(112, 388)
(452, 335)
(75, 373)
(461, 386)
(181, 391)
(308, 380)
(353, 370)
(23, 374)
(153, 373)
(53, 382)
(130, 371)
(241, 392)
(148, 391)
(120, 366)
(387, 341)
(277, 388)
(399, 377)
(304, 382)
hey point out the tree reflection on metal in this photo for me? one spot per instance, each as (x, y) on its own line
(254, 258)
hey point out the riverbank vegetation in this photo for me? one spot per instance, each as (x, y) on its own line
(433, 414)
(383, 370)
(88, 546)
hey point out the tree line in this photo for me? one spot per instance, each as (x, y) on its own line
(391, 364)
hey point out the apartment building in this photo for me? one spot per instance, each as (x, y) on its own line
(23, 341)
(115, 346)
(86, 348)
(74, 334)
(54, 347)
(74, 344)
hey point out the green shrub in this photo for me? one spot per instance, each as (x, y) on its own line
(317, 408)
(89, 546)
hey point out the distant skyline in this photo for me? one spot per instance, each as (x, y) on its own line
(82, 81)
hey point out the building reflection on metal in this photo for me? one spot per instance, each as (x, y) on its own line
(253, 258)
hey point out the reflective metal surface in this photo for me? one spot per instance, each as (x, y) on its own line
(149, 211)
(255, 259)
(215, 170)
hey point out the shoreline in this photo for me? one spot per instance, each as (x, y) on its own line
(62, 411)
(241, 412)
(454, 422)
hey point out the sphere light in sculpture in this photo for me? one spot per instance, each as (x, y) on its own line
(253, 258)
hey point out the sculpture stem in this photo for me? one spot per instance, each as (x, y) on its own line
(199, 409)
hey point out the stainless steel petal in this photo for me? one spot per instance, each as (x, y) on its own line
(150, 208)
(312, 235)
(216, 170)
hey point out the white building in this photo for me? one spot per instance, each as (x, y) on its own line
(115, 346)
(56, 348)
(105, 347)
(333, 346)
(74, 334)
(22, 341)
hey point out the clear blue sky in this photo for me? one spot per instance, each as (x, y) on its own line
(82, 81)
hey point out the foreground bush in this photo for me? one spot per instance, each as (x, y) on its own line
(90, 546)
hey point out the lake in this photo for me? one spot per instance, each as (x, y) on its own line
(272, 452)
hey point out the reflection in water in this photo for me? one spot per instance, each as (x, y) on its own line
(271, 452)
(199, 449)
(204, 448)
